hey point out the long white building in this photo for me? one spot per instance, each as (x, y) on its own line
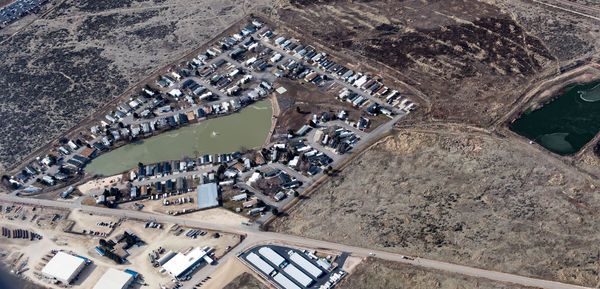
(271, 255)
(260, 264)
(298, 275)
(306, 265)
(285, 282)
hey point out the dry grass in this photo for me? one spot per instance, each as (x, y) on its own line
(375, 274)
(460, 197)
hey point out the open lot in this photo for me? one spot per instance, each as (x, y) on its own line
(245, 281)
(461, 197)
(94, 51)
(376, 273)
(313, 100)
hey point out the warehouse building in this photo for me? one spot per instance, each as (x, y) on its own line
(64, 267)
(271, 255)
(260, 264)
(207, 196)
(284, 282)
(114, 279)
(306, 265)
(182, 264)
(298, 275)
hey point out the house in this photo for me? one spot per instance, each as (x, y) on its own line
(303, 130)
(363, 123)
(175, 93)
(49, 180)
(250, 203)
(88, 153)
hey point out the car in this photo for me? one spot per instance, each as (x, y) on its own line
(371, 253)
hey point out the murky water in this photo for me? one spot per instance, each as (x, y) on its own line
(566, 124)
(246, 129)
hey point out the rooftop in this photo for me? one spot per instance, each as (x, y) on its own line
(207, 195)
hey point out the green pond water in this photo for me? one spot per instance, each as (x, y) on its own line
(567, 123)
(247, 128)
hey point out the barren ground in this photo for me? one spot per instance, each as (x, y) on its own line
(61, 68)
(461, 197)
(375, 273)
(311, 100)
(245, 281)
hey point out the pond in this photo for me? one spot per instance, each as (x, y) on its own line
(567, 123)
(245, 129)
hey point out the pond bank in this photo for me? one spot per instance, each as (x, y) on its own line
(245, 129)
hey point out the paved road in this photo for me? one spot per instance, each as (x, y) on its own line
(254, 237)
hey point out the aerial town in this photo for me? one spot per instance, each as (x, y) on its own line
(299, 144)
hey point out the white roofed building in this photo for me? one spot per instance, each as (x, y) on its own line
(64, 267)
(271, 255)
(114, 279)
(182, 264)
(306, 265)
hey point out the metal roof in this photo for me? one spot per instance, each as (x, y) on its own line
(259, 263)
(207, 196)
(114, 279)
(298, 275)
(306, 265)
(181, 263)
(271, 255)
(285, 282)
(63, 267)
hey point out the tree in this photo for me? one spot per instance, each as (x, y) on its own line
(221, 169)
(298, 110)
(275, 211)
(140, 164)
(136, 115)
(296, 194)
(52, 159)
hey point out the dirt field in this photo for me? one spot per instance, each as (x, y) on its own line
(375, 273)
(245, 281)
(93, 51)
(461, 197)
(464, 60)
(310, 100)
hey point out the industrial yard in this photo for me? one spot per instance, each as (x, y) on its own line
(81, 236)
